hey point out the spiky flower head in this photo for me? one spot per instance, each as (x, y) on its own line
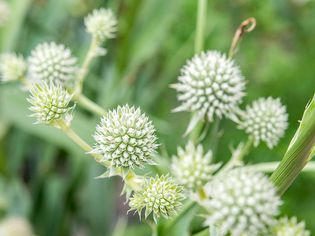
(12, 67)
(211, 85)
(126, 138)
(265, 120)
(160, 196)
(5, 12)
(49, 103)
(241, 202)
(290, 227)
(101, 24)
(191, 167)
(52, 62)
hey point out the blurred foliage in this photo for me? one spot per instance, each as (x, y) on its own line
(47, 178)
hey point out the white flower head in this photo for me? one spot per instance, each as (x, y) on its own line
(241, 202)
(12, 67)
(15, 226)
(52, 62)
(211, 85)
(49, 102)
(126, 138)
(191, 167)
(160, 196)
(265, 120)
(5, 12)
(290, 227)
(101, 24)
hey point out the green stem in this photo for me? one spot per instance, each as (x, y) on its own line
(199, 45)
(200, 25)
(89, 104)
(298, 152)
(238, 156)
(85, 66)
(75, 137)
(271, 166)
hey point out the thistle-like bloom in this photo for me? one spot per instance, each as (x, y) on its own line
(160, 196)
(290, 227)
(126, 138)
(12, 67)
(49, 102)
(191, 167)
(101, 24)
(52, 62)
(265, 120)
(241, 202)
(5, 12)
(211, 85)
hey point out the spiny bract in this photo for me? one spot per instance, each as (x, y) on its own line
(52, 62)
(49, 102)
(12, 67)
(290, 227)
(241, 202)
(210, 84)
(101, 24)
(191, 167)
(126, 138)
(265, 120)
(159, 196)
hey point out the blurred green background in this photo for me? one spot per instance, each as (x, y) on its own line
(49, 180)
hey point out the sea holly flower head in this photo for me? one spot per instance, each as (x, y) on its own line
(52, 62)
(290, 227)
(12, 67)
(126, 138)
(241, 202)
(160, 196)
(210, 84)
(49, 103)
(191, 167)
(101, 24)
(265, 120)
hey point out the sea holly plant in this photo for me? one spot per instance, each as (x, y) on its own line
(231, 198)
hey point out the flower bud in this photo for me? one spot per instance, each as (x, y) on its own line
(12, 67)
(101, 24)
(49, 102)
(126, 138)
(159, 196)
(52, 62)
(191, 167)
(290, 227)
(241, 202)
(265, 120)
(211, 85)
